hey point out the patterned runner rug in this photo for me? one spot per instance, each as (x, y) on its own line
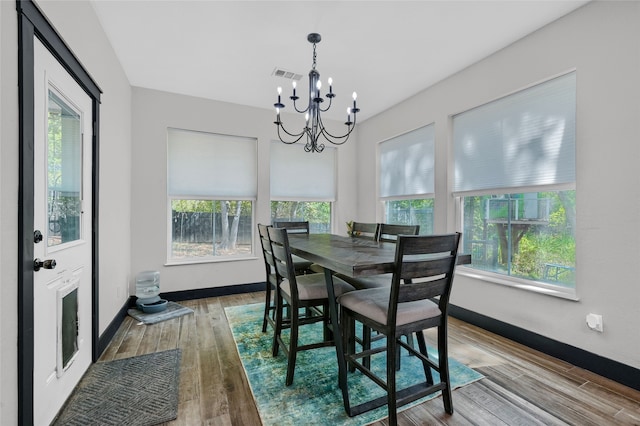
(314, 397)
(138, 391)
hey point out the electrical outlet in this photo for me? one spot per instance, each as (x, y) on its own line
(594, 322)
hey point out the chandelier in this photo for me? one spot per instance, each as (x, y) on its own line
(314, 128)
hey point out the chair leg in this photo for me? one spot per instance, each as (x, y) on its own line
(293, 348)
(267, 307)
(391, 379)
(422, 345)
(443, 364)
(278, 328)
(348, 337)
(327, 331)
(366, 345)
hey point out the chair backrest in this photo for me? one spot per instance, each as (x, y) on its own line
(284, 266)
(267, 253)
(424, 269)
(389, 232)
(299, 227)
(368, 231)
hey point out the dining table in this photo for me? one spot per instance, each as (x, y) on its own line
(354, 257)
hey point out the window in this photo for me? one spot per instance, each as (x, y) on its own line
(212, 184)
(303, 185)
(407, 179)
(515, 179)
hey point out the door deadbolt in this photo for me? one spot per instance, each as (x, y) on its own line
(37, 236)
(44, 264)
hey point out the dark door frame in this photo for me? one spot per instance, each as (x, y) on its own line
(32, 23)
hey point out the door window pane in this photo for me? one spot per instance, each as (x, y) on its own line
(64, 172)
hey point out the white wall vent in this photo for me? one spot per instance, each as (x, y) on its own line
(279, 72)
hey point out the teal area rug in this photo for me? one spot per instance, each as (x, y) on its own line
(314, 397)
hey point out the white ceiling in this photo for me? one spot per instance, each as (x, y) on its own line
(385, 50)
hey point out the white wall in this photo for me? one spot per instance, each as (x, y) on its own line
(602, 42)
(8, 212)
(153, 112)
(79, 27)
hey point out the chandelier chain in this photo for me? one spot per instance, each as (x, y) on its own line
(314, 56)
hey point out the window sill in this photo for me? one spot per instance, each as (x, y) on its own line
(208, 260)
(521, 284)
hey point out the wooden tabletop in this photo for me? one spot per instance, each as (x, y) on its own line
(354, 257)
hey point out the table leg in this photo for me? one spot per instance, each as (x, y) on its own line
(337, 338)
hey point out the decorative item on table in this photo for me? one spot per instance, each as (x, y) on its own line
(350, 231)
(148, 292)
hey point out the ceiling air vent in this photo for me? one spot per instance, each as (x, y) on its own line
(279, 72)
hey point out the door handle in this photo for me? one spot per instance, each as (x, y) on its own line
(45, 264)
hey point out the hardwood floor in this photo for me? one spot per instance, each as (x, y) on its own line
(522, 386)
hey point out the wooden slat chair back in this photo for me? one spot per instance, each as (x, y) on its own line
(302, 266)
(424, 269)
(364, 230)
(389, 232)
(299, 291)
(271, 278)
(292, 227)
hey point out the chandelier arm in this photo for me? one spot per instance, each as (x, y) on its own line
(298, 110)
(328, 106)
(336, 140)
(333, 138)
(298, 136)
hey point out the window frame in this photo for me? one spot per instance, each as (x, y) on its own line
(299, 195)
(541, 287)
(382, 212)
(170, 197)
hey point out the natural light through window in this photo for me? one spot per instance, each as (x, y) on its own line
(212, 186)
(514, 162)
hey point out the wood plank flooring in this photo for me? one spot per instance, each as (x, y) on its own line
(522, 386)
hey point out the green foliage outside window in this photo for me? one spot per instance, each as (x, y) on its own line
(529, 236)
(318, 213)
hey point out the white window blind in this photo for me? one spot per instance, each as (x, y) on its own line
(297, 175)
(522, 140)
(407, 164)
(211, 165)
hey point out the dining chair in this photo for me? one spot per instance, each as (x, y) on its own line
(423, 270)
(365, 230)
(271, 278)
(302, 266)
(387, 233)
(307, 298)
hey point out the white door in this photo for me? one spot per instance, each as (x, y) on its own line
(62, 214)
